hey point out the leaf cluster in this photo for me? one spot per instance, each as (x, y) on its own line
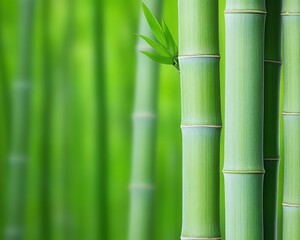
(166, 48)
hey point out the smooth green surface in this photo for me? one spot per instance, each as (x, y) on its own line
(244, 119)
(291, 219)
(292, 160)
(244, 213)
(201, 216)
(291, 61)
(200, 118)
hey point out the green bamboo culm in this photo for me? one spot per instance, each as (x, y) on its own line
(144, 126)
(243, 150)
(271, 115)
(291, 118)
(199, 61)
(4, 120)
(101, 136)
(20, 118)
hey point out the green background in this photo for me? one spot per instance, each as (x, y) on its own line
(73, 124)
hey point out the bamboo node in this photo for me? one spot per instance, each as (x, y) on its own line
(200, 126)
(141, 186)
(271, 159)
(273, 61)
(291, 113)
(290, 205)
(144, 115)
(246, 11)
(13, 232)
(284, 14)
(199, 56)
(21, 85)
(244, 171)
(205, 238)
(14, 158)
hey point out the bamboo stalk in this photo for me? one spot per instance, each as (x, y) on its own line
(144, 125)
(243, 152)
(291, 117)
(19, 139)
(59, 218)
(4, 120)
(201, 117)
(271, 115)
(37, 212)
(47, 99)
(101, 136)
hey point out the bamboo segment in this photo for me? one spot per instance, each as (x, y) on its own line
(271, 115)
(4, 118)
(101, 136)
(243, 163)
(201, 118)
(291, 116)
(19, 140)
(144, 125)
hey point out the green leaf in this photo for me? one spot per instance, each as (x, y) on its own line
(156, 46)
(170, 40)
(155, 26)
(158, 58)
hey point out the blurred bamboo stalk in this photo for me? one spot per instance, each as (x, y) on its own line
(243, 159)
(60, 163)
(271, 115)
(101, 119)
(20, 118)
(4, 121)
(141, 219)
(291, 118)
(201, 123)
(45, 158)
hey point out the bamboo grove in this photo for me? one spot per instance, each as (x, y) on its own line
(100, 140)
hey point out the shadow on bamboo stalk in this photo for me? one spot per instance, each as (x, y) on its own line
(271, 115)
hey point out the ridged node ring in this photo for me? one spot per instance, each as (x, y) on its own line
(246, 11)
(199, 56)
(285, 14)
(291, 113)
(207, 238)
(271, 159)
(273, 61)
(244, 171)
(200, 125)
(290, 205)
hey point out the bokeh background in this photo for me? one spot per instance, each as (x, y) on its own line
(82, 57)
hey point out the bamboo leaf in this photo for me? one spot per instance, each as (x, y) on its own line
(170, 40)
(155, 26)
(158, 58)
(156, 46)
